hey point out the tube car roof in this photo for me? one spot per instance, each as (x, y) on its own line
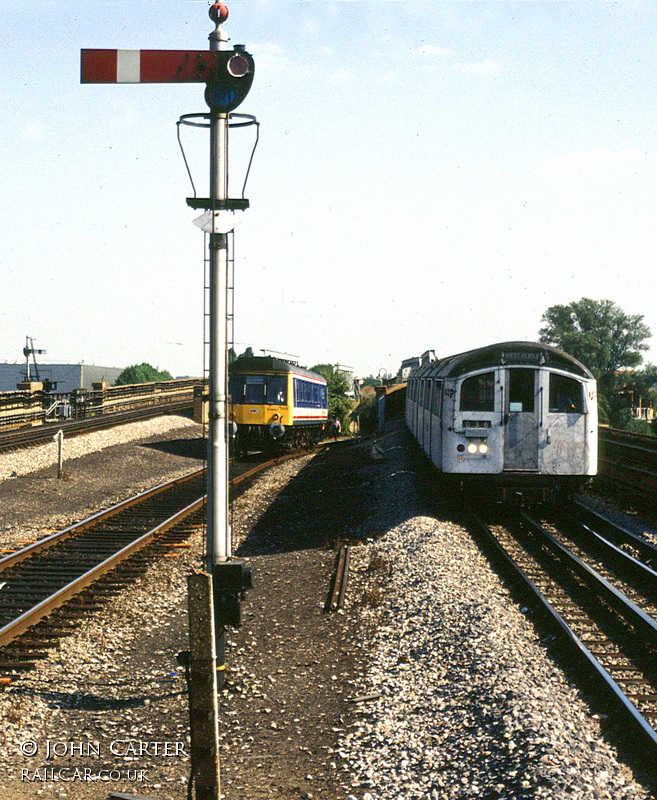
(258, 364)
(502, 354)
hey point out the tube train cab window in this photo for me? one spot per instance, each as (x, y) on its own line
(521, 390)
(566, 395)
(478, 393)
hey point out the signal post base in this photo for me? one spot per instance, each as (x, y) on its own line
(202, 673)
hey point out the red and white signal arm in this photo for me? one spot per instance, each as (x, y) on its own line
(151, 66)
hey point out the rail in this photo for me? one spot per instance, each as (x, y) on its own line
(64, 554)
(594, 587)
(47, 574)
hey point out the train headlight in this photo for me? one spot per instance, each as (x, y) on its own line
(483, 448)
(472, 449)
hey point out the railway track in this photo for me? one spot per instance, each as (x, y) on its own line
(628, 460)
(595, 584)
(28, 437)
(70, 570)
(48, 584)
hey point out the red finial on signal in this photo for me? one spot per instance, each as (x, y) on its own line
(218, 12)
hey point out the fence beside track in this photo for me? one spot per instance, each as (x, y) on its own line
(25, 409)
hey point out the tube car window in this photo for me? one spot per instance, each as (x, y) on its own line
(255, 389)
(521, 390)
(566, 395)
(277, 390)
(427, 394)
(478, 393)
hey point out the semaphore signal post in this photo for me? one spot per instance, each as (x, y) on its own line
(215, 595)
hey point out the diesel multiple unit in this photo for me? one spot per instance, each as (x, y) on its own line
(274, 400)
(517, 416)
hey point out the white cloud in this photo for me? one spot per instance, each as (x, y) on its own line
(486, 67)
(600, 162)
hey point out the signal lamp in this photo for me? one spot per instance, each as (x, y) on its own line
(238, 66)
(472, 448)
(483, 448)
(220, 96)
(232, 79)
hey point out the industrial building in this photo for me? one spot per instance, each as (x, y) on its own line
(63, 377)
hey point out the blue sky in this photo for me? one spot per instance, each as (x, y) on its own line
(429, 175)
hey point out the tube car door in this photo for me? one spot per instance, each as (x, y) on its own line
(420, 416)
(521, 420)
(426, 437)
(436, 424)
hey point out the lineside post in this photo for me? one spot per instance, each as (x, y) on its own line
(218, 543)
(230, 576)
(203, 707)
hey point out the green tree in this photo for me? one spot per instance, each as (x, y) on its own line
(232, 355)
(141, 373)
(367, 414)
(636, 389)
(604, 338)
(339, 405)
